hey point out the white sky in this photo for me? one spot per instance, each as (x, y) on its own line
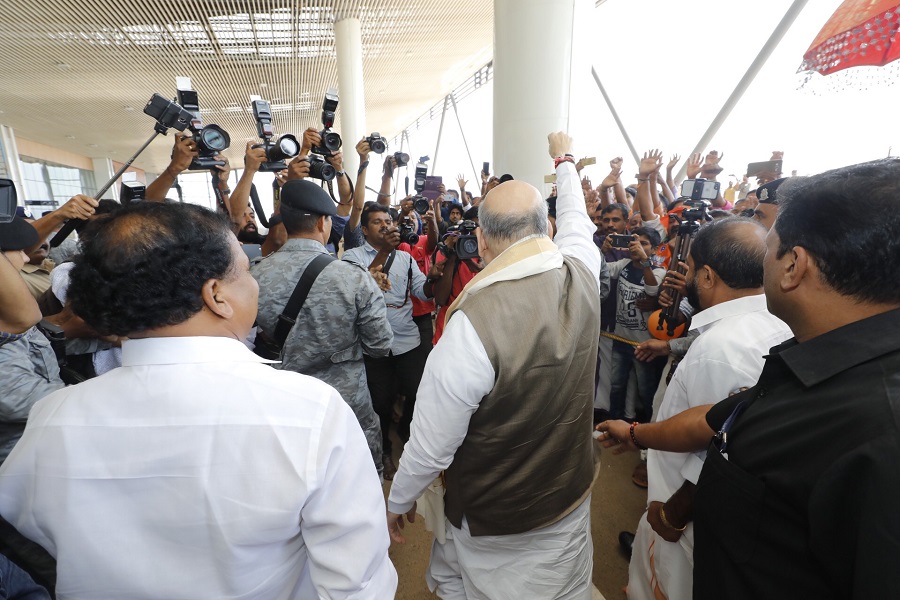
(668, 68)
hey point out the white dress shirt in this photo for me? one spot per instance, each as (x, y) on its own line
(194, 471)
(452, 389)
(728, 355)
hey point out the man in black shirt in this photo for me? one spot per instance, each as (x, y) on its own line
(799, 496)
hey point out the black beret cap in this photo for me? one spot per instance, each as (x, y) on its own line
(306, 196)
(766, 192)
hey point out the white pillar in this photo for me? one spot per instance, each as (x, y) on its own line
(11, 160)
(537, 60)
(352, 108)
(103, 170)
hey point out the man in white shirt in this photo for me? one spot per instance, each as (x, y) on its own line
(506, 404)
(193, 471)
(724, 280)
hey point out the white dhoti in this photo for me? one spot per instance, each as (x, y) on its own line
(552, 563)
(659, 570)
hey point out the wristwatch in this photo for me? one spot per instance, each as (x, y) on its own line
(646, 263)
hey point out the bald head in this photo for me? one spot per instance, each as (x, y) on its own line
(734, 248)
(512, 211)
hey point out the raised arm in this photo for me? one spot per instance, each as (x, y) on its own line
(240, 195)
(336, 160)
(183, 152)
(359, 193)
(649, 165)
(387, 178)
(76, 207)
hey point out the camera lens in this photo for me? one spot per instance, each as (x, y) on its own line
(402, 158)
(331, 141)
(377, 145)
(319, 169)
(469, 246)
(214, 139)
(420, 205)
(287, 146)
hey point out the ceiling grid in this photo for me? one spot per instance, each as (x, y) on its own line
(76, 74)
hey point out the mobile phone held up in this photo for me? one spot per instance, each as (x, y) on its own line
(620, 241)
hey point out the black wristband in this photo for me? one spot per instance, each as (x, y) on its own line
(362, 167)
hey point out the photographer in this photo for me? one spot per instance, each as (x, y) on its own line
(403, 367)
(29, 366)
(343, 315)
(454, 274)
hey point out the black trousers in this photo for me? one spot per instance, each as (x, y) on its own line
(401, 373)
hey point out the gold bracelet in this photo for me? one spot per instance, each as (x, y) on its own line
(665, 521)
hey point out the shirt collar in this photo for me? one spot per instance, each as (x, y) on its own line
(369, 248)
(303, 245)
(30, 268)
(732, 308)
(824, 356)
(186, 350)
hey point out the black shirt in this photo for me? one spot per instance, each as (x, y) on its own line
(807, 503)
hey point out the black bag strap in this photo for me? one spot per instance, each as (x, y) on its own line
(288, 316)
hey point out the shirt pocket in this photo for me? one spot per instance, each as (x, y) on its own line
(350, 353)
(731, 502)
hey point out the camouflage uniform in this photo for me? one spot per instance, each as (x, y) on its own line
(343, 315)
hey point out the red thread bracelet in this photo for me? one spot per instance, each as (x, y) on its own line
(634, 438)
(561, 159)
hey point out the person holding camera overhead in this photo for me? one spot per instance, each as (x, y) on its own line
(401, 370)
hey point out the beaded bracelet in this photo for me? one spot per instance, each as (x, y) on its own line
(634, 438)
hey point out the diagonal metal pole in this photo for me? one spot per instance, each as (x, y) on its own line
(777, 34)
(440, 132)
(465, 142)
(615, 116)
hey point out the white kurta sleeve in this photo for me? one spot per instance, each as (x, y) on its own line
(457, 376)
(346, 510)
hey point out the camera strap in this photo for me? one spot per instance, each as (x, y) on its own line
(390, 261)
(288, 316)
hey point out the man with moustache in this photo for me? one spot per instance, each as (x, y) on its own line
(724, 282)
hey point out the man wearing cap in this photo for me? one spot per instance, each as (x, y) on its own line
(767, 208)
(27, 361)
(344, 313)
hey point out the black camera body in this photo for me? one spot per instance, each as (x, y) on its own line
(211, 140)
(697, 210)
(402, 158)
(277, 152)
(8, 200)
(168, 114)
(377, 143)
(319, 168)
(408, 233)
(330, 140)
(420, 204)
(132, 191)
(466, 242)
(620, 241)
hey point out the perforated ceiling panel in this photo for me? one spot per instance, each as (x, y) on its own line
(75, 74)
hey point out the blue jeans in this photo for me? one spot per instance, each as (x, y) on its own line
(648, 376)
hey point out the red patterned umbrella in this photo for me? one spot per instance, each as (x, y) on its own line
(859, 33)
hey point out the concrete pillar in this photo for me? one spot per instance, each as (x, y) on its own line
(11, 160)
(539, 55)
(352, 108)
(103, 171)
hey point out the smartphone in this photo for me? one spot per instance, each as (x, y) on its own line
(620, 241)
(486, 168)
(8, 200)
(769, 167)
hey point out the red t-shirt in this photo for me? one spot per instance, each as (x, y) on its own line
(462, 276)
(423, 259)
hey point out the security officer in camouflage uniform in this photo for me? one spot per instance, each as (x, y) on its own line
(344, 313)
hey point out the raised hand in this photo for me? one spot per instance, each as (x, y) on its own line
(560, 143)
(711, 166)
(650, 164)
(183, 153)
(673, 162)
(694, 163)
(362, 149)
(461, 181)
(616, 163)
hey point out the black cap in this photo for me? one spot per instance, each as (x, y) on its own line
(18, 234)
(306, 196)
(766, 192)
(506, 177)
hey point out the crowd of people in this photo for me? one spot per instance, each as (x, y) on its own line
(183, 395)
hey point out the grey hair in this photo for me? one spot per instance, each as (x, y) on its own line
(512, 227)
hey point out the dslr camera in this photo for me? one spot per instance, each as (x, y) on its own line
(696, 210)
(466, 242)
(408, 233)
(319, 168)
(277, 152)
(211, 139)
(420, 204)
(402, 159)
(330, 140)
(377, 143)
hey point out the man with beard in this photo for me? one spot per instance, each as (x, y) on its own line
(724, 282)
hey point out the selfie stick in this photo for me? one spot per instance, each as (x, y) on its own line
(70, 225)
